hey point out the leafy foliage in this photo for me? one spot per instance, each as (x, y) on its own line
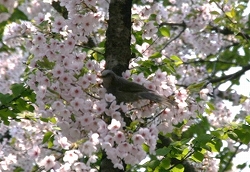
(176, 48)
(21, 100)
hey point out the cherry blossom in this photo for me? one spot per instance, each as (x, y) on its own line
(81, 117)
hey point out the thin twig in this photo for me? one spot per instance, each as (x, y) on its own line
(231, 158)
(98, 98)
(90, 49)
(177, 36)
(207, 61)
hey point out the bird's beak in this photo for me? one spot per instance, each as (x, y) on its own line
(99, 76)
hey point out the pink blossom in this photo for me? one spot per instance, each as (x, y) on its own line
(83, 82)
(203, 93)
(126, 74)
(80, 166)
(88, 148)
(57, 106)
(39, 18)
(90, 65)
(109, 139)
(150, 30)
(124, 147)
(77, 103)
(91, 78)
(102, 127)
(57, 71)
(138, 139)
(76, 91)
(119, 166)
(114, 126)
(100, 107)
(34, 152)
(138, 78)
(48, 162)
(181, 94)
(144, 132)
(70, 44)
(86, 119)
(109, 97)
(94, 138)
(63, 141)
(150, 85)
(65, 78)
(119, 137)
(39, 39)
(58, 24)
(70, 156)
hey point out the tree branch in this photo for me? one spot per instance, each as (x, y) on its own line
(207, 61)
(231, 76)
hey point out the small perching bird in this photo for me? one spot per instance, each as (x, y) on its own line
(127, 91)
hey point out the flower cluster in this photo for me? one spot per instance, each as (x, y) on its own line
(77, 110)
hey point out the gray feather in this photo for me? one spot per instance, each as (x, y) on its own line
(127, 91)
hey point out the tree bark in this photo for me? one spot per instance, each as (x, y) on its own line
(117, 51)
(118, 36)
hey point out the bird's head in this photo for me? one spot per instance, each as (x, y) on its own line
(107, 76)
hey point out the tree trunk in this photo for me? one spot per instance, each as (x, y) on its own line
(117, 50)
(118, 36)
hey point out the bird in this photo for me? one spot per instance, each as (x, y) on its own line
(127, 91)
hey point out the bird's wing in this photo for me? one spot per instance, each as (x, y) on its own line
(128, 86)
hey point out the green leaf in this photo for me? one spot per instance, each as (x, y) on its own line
(29, 116)
(217, 133)
(45, 63)
(47, 136)
(4, 115)
(218, 19)
(242, 166)
(248, 119)
(215, 145)
(52, 120)
(232, 136)
(3, 9)
(231, 14)
(178, 168)
(145, 147)
(202, 140)
(164, 31)
(155, 55)
(243, 135)
(18, 15)
(51, 142)
(162, 151)
(5, 99)
(197, 157)
(177, 60)
(214, 12)
(165, 163)
(196, 87)
(44, 119)
(153, 164)
(211, 106)
(18, 169)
